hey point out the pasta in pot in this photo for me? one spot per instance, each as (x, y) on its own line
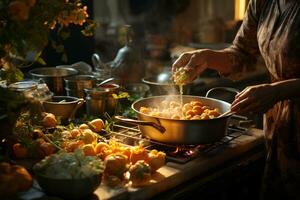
(193, 110)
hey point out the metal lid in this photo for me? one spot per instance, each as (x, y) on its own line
(23, 86)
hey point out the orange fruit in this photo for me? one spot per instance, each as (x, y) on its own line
(49, 121)
(48, 148)
(83, 126)
(138, 153)
(20, 151)
(100, 147)
(88, 136)
(72, 146)
(88, 150)
(96, 125)
(22, 178)
(75, 132)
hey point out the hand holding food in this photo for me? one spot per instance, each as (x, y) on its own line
(188, 66)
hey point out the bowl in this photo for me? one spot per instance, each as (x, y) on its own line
(69, 188)
(137, 89)
(64, 107)
(53, 77)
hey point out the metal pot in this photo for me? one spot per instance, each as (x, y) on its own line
(53, 77)
(100, 100)
(75, 85)
(181, 131)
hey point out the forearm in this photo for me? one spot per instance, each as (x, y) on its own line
(287, 89)
(219, 61)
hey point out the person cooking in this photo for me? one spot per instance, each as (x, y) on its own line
(270, 28)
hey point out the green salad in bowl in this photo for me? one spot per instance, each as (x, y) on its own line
(69, 175)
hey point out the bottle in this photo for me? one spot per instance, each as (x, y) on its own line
(128, 65)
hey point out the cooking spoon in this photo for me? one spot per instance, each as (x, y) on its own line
(227, 113)
(105, 81)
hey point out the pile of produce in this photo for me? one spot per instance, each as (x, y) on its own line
(77, 151)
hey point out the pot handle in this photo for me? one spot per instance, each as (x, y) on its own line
(78, 105)
(227, 89)
(140, 122)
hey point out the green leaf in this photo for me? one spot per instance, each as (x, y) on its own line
(41, 61)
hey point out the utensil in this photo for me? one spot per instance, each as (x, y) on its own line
(228, 113)
(97, 63)
(105, 81)
(183, 131)
(53, 77)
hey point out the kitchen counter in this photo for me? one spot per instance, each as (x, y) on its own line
(174, 174)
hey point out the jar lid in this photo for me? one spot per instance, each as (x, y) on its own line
(23, 86)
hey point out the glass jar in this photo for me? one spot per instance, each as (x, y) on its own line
(32, 90)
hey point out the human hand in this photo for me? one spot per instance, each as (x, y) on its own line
(255, 99)
(189, 65)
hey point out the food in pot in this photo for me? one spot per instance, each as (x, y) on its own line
(74, 165)
(193, 110)
(140, 173)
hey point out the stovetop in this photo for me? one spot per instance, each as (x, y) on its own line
(131, 135)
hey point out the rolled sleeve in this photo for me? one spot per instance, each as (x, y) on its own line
(244, 51)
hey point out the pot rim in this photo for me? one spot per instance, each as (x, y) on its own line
(80, 78)
(190, 120)
(74, 100)
(35, 72)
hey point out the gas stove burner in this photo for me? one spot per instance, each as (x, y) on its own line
(131, 135)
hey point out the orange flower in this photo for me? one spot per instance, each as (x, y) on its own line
(19, 11)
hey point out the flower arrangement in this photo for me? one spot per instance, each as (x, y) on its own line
(25, 27)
